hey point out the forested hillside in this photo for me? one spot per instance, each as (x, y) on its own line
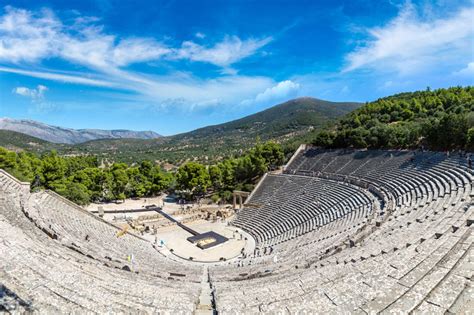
(280, 120)
(17, 141)
(439, 120)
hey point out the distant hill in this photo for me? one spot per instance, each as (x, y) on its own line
(280, 123)
(16, 141)
(280, 120)
(66, 135)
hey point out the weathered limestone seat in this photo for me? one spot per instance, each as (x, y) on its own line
(407, 255)
(340, 231)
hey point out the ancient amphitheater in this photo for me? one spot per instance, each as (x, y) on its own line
(339, 231)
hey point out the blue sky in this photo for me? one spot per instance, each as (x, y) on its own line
(173, 66)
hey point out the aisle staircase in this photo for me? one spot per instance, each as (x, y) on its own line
(206, 304)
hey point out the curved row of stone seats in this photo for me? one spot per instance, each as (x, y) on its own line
(286, 255)
(409, 225)
(297, 250)
(352, 220)
(43, 275)
(285, 207)
(10, 184)
(318, 243)
(416, 177)
(273, 185)
(454, 199)
(382, 274)
(75, 228)
(434, 205)
(379, 165)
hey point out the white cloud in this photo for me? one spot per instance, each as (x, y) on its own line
(409, 43)
(231, 50)
(67, 78)
(27, 38)
(39, 104)
(467, 71)
(280, 92)
(34, 36)
(23, 91)
(200, 35)
(35, 93)
(138, 50)
(196, 93)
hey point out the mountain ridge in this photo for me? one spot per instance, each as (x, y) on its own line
(325, 108)
(280, 123)
(62, 135)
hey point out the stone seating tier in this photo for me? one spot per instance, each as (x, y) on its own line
(340, 231)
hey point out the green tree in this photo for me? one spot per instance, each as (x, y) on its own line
(324, 139)
(215, 175)
(120, 180)
(194, 178)
(53, 170)
(76, 192)
(161, 181)
(272, 153)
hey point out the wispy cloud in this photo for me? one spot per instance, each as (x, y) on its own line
(231, 50)
(193, 93)
(200, 35)
(25, 37)
(67, 78)
(29, 37)
(33, 36)
(43, 107)
(409, 42)
(39, 104)
(278, 93)
(34, 93)
(468, 71)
